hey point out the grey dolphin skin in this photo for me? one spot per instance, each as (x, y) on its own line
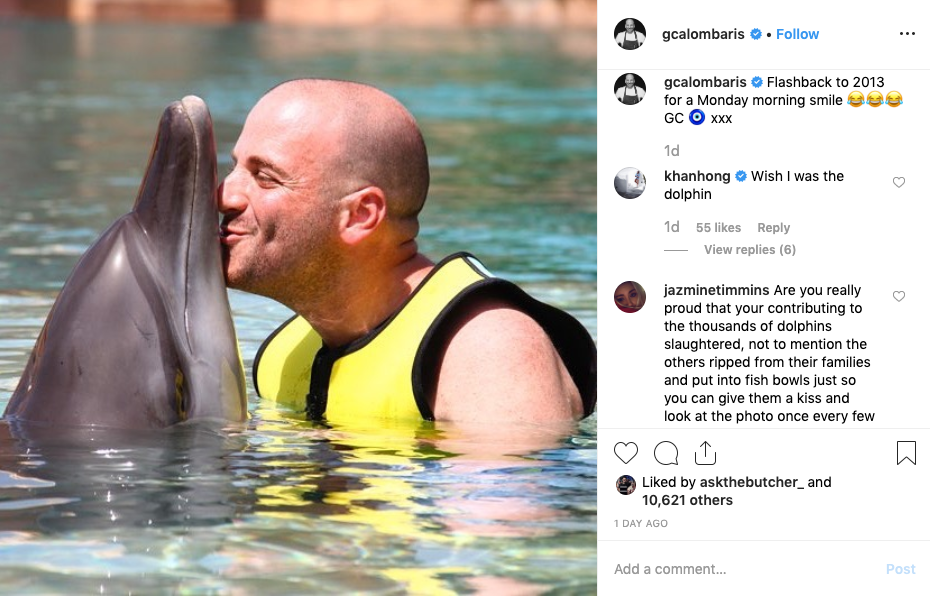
(141, 335)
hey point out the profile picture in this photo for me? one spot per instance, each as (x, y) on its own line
(630, 89)
(630, 183)
(626, 485)
(629, 296)
(630, 34)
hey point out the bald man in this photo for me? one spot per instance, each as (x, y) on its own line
(629, 93)
(320, 212)
(629, 38)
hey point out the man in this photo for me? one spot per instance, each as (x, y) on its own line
(629, 93)
(630, 38)
(320, 213)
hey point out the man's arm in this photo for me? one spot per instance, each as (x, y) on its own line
(500, 366)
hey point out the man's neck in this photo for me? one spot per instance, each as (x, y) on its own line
(364, 299)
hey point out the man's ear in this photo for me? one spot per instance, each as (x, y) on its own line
(362, 213)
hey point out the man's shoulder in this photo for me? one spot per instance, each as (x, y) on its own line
(489, 325)
(499, 362)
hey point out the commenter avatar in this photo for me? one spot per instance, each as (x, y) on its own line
(630, 183)
(629, 296)
(630, 89)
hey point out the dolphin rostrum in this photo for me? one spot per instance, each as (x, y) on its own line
(141, 335)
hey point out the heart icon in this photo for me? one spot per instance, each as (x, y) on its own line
(899, 182)
(899, 296)
(626, 451)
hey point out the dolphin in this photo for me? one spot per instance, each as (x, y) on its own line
(141, 335)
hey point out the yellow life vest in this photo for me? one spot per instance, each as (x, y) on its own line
(390, 373)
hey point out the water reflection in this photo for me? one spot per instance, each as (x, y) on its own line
(430, 509)
(67, 480)
(428, 499)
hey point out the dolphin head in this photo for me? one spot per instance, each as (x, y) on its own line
(141, 335)
(176, 207)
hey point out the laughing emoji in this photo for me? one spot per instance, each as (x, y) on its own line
(894, 99)
(875, 99)
(855, 99)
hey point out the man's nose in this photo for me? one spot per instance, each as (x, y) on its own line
(230, 196)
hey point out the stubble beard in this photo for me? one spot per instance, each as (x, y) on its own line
(298, 272)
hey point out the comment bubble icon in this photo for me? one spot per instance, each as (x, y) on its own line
(666, 453)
